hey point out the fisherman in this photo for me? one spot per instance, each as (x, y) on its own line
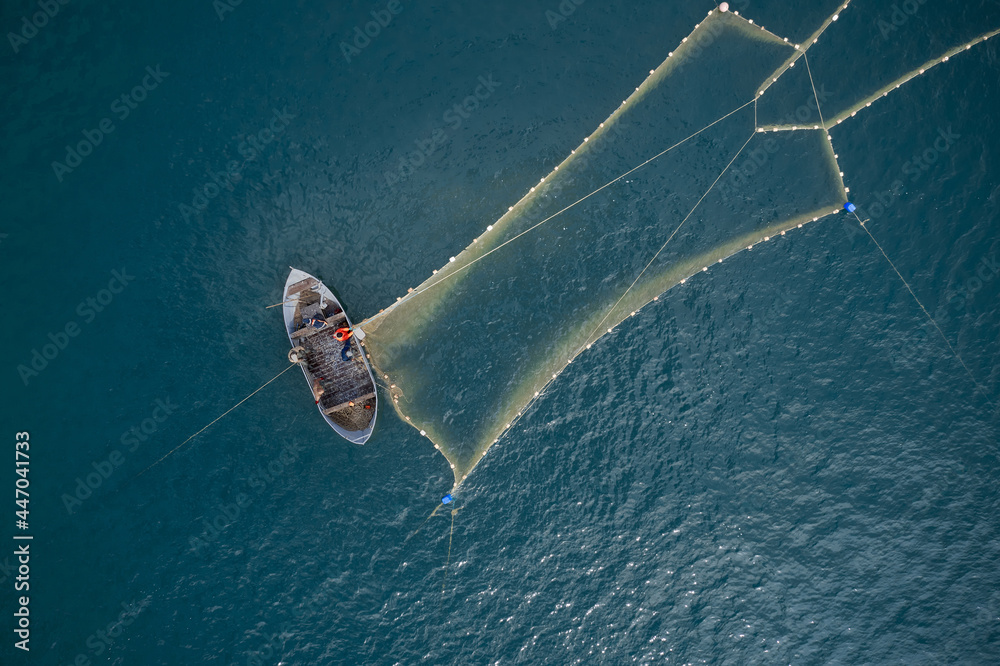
(297, 355)
(317, 322)
(346, 354)
(343, 334)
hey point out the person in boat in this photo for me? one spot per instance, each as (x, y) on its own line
(297, 355)
(344, 335)
(317, 322)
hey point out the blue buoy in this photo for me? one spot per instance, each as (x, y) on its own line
(849, 207)
(446, 499)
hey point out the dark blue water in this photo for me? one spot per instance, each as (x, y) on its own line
(781, 462)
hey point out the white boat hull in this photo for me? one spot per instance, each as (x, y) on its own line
(290, 307)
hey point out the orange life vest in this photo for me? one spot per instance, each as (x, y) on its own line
(343, 334)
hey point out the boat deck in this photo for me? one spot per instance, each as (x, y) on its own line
(343, 382)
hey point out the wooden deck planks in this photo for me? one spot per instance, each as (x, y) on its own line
(344, 405)
(342, 381)
(308, 283)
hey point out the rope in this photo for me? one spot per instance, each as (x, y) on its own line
(524, 410)
(454, 512)
(979, 387)
(822, 123)
(678, 228)
(531, 401)
(213, 422)
(535, 226)
(897, 83)
(414, 533)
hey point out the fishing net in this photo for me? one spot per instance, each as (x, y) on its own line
(678, 178)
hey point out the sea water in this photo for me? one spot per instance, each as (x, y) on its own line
(780, 462)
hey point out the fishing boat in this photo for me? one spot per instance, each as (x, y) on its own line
(328, 349)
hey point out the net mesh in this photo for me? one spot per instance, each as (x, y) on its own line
(679, 177)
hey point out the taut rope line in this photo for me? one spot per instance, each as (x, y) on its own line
(822, 123)
(979, 387)
(447, 563)
(535, 226)
(672, 234)
(213, 422)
